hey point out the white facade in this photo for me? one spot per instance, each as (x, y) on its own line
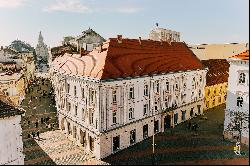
(238, 93)
(11, 145)
(159, 34)
(107, 116)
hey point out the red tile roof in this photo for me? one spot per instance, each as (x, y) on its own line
(218, 71)
(243, 56)
(130, 59)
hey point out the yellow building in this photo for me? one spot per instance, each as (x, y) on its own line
(216, 82)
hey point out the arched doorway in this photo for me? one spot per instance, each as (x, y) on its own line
(82, 137)
(167, 122)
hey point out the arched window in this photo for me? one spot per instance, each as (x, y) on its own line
(242, 78)
(240, 101)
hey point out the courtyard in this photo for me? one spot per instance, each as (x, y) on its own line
(181, 145)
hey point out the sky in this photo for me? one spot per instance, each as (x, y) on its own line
(198, 21)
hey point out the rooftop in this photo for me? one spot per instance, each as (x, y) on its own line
(7, 110)
(218, 71)
(243, 55)
(130, 58)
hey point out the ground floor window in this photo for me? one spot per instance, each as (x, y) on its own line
(199, 109)
(156, 126)
(132, 136)
(116, 143)
(175, 118)
(191, 112)
(145, 131)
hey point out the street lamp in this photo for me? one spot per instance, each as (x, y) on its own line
(154, 131)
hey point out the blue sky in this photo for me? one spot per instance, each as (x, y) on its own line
(199, 21)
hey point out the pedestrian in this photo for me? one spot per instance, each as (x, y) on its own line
(33, 134)
(36, 124)
(37, 133)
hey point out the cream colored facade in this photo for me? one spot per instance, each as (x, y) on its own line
(215, 95)
(217, 51)
(102, 115)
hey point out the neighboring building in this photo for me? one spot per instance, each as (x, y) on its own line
(88, 40)
(217, 51)
(12, 82)
(216, 82)
(42, 53)
(11, 145)
(238, 94)
(125, 90)
(161, 34)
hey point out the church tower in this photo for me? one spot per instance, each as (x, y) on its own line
(42, 53)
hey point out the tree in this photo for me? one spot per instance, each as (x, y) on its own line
(239, 121)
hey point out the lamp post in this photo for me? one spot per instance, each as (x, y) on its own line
(153, 163)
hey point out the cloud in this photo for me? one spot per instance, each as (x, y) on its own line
(74, 6)
(11, 3)
(77, 6)
(129, 10)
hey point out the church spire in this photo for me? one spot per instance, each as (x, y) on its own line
(40, 38)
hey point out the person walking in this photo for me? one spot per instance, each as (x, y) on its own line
(37, 133)
(189, 125)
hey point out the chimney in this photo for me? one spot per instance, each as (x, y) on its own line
(140, 40)
(119, 38)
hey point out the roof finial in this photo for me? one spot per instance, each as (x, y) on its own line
(157, 24)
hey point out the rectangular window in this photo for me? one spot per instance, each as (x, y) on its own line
(69, 106)
(145, 109)
(91, 117)
(157, 86)
(240, 101)
(83, 93)
(156, 106)
(75, 91)
(114, 96)
(75, 110)
(92, 96)
(132, 136)
(131, 93)
(114, 117)
(175, 118)
(167, 86)
(145, 90)
(145, 131)
(156, 126)
(67, 87)
(242, 78)
(199, 109)
(131, 113)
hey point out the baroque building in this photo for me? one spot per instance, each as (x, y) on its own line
(238, 97)
(126, 90)
(216, 82)
(11, 145)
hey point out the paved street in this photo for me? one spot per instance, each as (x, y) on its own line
(183, 146)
